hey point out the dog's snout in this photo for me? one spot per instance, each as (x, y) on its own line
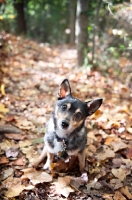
(65, 124)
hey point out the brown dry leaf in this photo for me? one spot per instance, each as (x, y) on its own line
(25, 143)
(110, 139)
(9, 118)
(3, 109)
(6, 173)
(116, 183)
(12, 152)
(94, 184)
(14, 190)
(62, 166)
(31, 153)
(127, 136)
(36, 177)
(107, 153)
(63, 186)
(108, 196)
(15, 136)
(125, 191)
(92, 135)
(118, 145)
(77, 182)
(119, 173)
(19, 162)
(128, 152)
(5, 145)
(125, 109)
(59, 166)
(119, 196)
(129, 129)
(24, 124)
(15, 187)
(97, 114)
(2, 88)
(3, 160)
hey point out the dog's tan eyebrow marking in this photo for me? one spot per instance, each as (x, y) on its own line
(78, 110)
(68, 105)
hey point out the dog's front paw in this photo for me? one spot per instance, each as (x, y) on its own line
(34, 164)
(47, 165)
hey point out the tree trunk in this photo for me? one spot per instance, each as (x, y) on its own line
(21, 22)
(81, 30)
(96, 20)
(72, 21)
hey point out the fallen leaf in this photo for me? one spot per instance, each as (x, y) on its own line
(127, 136)
(129, 129)
(15, 188)
(6, 144)
(110, 139)
(125, 191)
(77, 182)
(3, 160)
(118, 145)
(36, 177)
(19, 162)
(24, 124)
(9, 118)
(119, 196)
(3, 109)
(15, 136)
(108, 196)
(25, 143)
(116, 183)
(12, 152)
(94, 184)
(6, 173)
(119, 173)
(63, 186)
(31, 153)
(3, 89)
(107, 153)
(117, 162)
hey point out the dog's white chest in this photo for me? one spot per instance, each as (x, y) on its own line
(58, 146)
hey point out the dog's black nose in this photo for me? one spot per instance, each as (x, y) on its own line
(65, 124)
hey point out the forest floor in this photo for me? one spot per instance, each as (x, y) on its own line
(30, 77)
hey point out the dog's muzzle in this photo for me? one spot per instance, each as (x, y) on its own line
(64, 124)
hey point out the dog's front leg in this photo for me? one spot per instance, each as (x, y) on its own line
(49, 161)
(81, 159)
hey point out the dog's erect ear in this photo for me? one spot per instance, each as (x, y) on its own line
(93, 106)
(64, 89)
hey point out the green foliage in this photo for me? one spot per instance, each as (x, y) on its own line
(46, 19)
(7, 16)
(49, 20)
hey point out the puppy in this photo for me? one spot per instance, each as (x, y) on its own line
(66, 134)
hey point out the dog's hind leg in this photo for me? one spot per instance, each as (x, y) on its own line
(81, 159)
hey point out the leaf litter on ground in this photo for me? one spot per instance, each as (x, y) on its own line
(28, 94)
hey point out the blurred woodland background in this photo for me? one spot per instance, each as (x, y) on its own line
(101, 30)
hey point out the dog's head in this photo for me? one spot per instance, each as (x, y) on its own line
(70, 113)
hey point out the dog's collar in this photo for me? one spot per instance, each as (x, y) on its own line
(59, 139)
(62, 154)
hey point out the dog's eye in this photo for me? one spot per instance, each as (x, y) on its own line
(64, 107)
(78, 116)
